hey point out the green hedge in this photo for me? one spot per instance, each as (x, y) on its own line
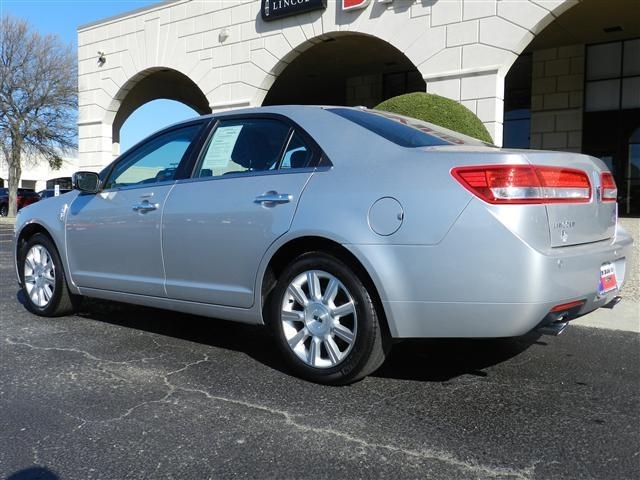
(439, 111)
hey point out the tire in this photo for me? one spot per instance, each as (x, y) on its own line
(43, 280)
(324, 321)
(4, 210)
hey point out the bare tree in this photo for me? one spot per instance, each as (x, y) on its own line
(38, 98)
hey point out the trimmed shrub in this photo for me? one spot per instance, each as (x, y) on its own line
(439, 111)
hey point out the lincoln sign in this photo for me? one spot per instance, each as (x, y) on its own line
(273, 9)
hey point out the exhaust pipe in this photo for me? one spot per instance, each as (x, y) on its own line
(553, 324)
(613, 303)
(557, 320)
(555, 328)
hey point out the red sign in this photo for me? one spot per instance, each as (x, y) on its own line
(608, 279)
(354, 4)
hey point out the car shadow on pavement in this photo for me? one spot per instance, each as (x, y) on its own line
(252, 340)
(440, 360)
(33, 473)
(429, 360)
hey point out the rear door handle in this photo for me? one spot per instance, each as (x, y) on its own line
(271, 199)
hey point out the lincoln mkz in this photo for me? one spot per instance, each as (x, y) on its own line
(341, 229)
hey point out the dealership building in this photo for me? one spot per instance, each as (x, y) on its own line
(553, 74)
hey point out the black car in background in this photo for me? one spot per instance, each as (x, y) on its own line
(25, 197)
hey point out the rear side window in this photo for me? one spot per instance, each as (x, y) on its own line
(404, 131)
(242, 146)
(250, 145)
(297, 154)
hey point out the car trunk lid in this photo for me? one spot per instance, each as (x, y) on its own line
(573, 223)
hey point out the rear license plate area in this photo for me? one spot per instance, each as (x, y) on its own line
(608, 281)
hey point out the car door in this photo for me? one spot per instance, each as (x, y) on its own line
(217, 228)
(113, 237)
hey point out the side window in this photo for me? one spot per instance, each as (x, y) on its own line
(298, 154)
(243, 145)
(153, 162)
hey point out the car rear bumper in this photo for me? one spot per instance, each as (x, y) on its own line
(477, 320)
(472, 285)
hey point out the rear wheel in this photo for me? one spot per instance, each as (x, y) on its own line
(4, 210)
(43, 280)
(325, 322)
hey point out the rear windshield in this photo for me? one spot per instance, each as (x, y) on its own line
(404, 131)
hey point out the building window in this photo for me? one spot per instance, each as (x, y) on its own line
(613, 76)
(611, 121)
(632, 199)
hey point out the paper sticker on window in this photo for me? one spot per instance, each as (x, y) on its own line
(219, 151)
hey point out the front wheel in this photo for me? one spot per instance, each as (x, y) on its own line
(324, 320)
(43, 280)
(4, 210)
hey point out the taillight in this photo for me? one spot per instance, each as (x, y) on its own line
(608, 188)
(525, 183)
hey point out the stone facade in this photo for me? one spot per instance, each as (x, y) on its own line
(557, 96)
(462, 48)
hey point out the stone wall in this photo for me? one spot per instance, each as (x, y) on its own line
(462, 48)
(365, 90)
(557, 93)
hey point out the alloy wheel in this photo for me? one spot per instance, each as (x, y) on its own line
(319, 319)
(39, 275)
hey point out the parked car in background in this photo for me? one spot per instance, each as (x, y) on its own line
(341, 229)
(51, 192)
(25, 197)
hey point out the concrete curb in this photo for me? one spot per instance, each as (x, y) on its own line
(625, 316)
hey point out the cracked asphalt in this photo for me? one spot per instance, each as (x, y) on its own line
(121, 392)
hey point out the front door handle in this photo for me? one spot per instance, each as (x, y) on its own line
(271, 199)
(145, 207)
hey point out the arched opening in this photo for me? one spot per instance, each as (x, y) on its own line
(150, 117)
(346, 69)
(155, 84)
(576, 87)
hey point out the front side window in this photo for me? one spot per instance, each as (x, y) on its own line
(155, 161)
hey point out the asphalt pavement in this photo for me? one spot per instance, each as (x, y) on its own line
(122, 392)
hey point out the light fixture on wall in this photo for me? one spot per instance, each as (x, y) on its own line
(102, 59)
(223, 35)
(613, 29)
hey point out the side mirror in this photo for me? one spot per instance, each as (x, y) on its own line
(88, 182)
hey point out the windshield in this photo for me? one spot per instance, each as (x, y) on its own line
(404, 131)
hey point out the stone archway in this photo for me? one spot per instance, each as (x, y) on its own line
(346, 69)
(154, 84)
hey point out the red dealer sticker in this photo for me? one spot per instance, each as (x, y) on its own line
(608, 280)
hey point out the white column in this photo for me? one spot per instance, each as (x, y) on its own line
(480, 90)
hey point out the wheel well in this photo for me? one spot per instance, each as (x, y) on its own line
(289, 251)
(29, 231)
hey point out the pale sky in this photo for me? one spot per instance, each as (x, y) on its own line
(63, 17)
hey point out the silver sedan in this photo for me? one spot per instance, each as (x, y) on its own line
(341, 229)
